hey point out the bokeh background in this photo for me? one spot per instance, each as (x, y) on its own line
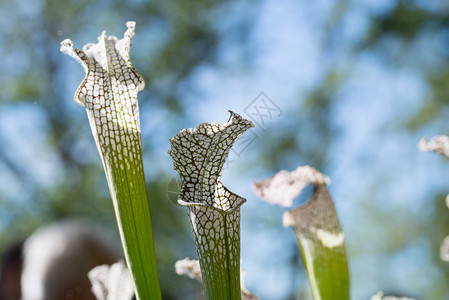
(356, 84)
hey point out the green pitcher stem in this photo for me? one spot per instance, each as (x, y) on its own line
(217, 240)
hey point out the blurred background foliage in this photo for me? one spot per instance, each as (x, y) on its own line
(358, 82)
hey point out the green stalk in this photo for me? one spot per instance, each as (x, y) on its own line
(109, 94)
(217, 238)
(198, 157)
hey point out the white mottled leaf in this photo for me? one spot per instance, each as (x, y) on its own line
(189, 267)
(439, 144)
(109, 94)
(199, 155)
(111, 282)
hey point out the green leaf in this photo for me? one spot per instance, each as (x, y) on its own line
(317, 229)
(198, 157)
(109, 94)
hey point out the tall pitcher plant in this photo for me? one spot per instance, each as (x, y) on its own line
(109, 95)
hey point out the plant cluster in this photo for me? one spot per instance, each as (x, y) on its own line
(109, 95)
